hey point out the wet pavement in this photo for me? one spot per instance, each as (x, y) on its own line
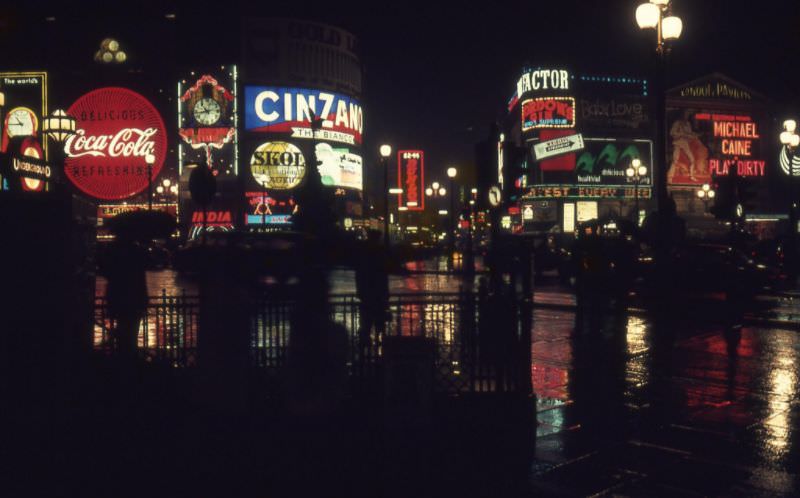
(703, 402)
(630, 405)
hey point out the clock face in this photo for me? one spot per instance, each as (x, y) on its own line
(207, 111)
(21, 122)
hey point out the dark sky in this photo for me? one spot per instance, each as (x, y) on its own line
(436, 74)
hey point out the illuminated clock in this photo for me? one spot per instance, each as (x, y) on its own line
(21, 122)
(207, 111)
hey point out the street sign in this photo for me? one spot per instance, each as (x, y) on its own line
(495, 196)
(558, 146)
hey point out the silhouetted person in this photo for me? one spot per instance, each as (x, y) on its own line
(372, 289)
(126, 293)
(317, 352)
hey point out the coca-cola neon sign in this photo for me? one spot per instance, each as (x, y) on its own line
(117, 130)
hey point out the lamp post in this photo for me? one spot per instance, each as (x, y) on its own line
(790, 165)
(150, 159)
(436, 190)
(636, 172)
(59, 126)
(386, 151)
(451, 174)
(706, 193)
(657, 14)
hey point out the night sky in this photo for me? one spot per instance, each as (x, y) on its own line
(437, 75)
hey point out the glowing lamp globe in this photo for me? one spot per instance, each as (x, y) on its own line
(642, 171)
(786, 137)
(711, 194)
(442, 191)
(647, 15)
(629, 172)
(386, 150)
(671, 28)
(59, 125)
(789, 125)
(451, 172)
(429, 191)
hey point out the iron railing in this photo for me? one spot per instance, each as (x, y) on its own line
(478, 348)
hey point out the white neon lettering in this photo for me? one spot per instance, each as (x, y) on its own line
(259, 105)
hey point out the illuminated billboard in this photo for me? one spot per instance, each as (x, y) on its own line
(278, 165)
(289, 110)
(707, 144)
(604, 161)
(264, 209)
(208, 120)
(548, 112)
(117, 131)
(338, 167)
(411, 178)
(25, 104)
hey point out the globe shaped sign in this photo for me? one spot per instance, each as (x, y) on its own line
(116, 130)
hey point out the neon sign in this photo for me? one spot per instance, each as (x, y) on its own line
(548, 112)
(117, 131)
(411, 178)
(542, 79)
(289, 110)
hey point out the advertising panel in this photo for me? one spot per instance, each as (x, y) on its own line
(278, 165)
(564, 162)
(117, 131)
(604, 161)
(557, 191)
(290, 110)
(621, 112)
(411, 178)
(548, 112)
(263, 209)
(20, 136)
(207, 121)
(338, 167)
(705, 144)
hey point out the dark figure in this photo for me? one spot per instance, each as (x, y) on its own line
(127, 291)
(372, 288)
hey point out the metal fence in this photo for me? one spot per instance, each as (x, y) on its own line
(478, 346)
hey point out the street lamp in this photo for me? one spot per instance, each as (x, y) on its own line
(657, 14)
(451, 174)
(150, 159)
(386, 151)
(59, 126)
(706, 194)
(636, 172)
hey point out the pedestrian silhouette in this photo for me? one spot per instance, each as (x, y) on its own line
(317, 359)
(126, 294)
(372, 289)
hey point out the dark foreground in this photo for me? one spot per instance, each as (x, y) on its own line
(629, 404)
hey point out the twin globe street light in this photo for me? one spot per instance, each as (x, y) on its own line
(636, 172)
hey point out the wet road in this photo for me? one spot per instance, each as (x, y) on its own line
(634, 404)
(630, 405)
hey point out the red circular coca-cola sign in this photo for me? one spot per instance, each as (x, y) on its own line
(117, 131)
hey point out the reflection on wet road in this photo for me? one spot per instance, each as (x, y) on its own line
(631, 405)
